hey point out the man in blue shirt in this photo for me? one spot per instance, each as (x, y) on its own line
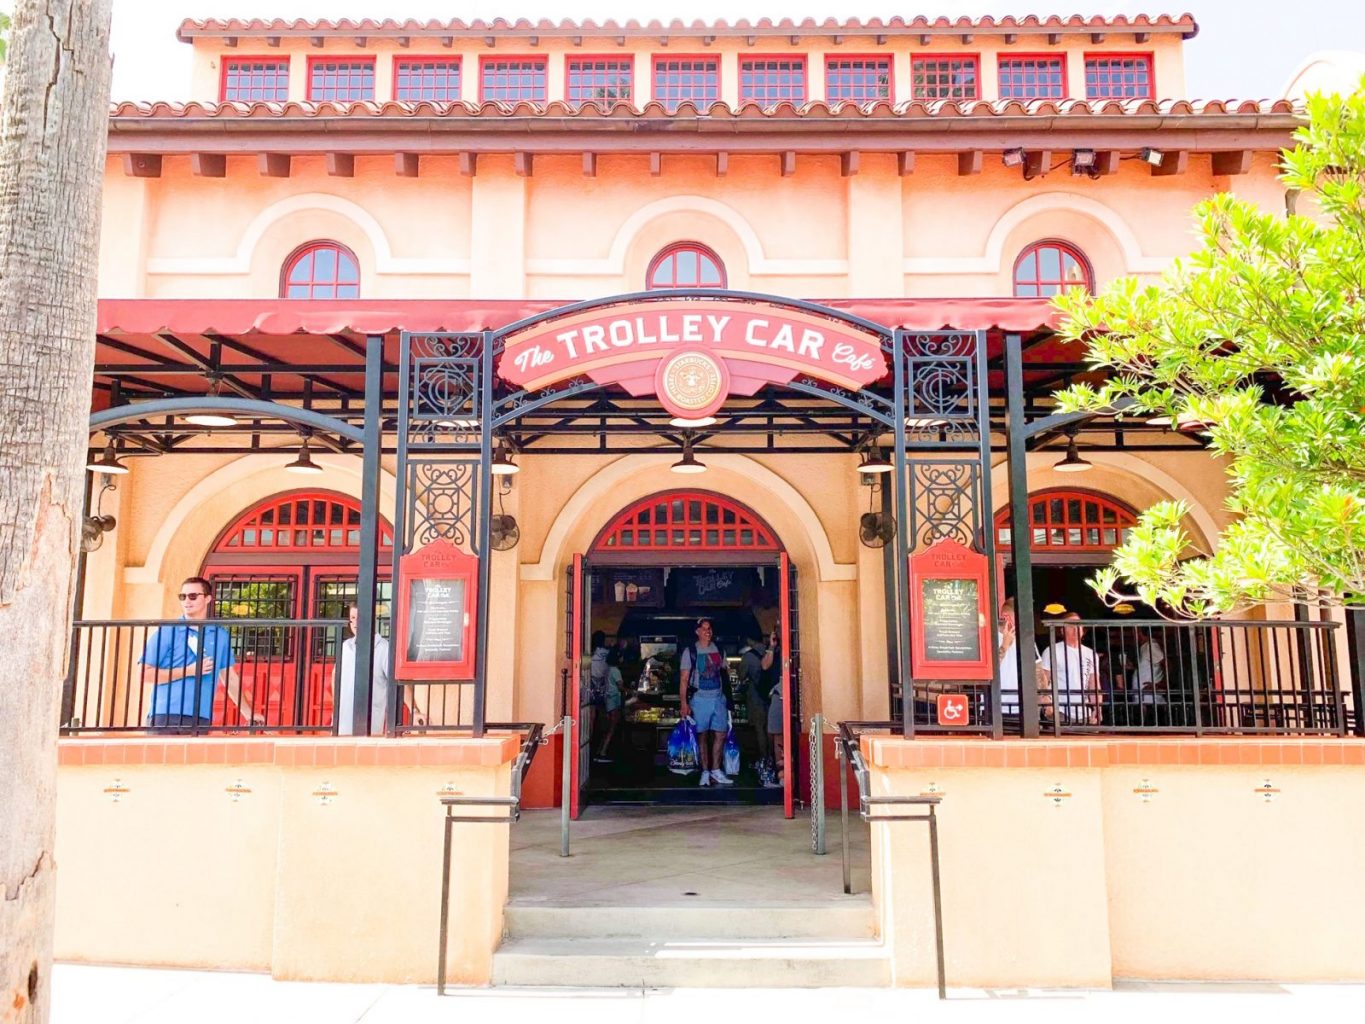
(186, 664)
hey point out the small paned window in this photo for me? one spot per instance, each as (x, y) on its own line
(252, 81)
(434, 79)
(1032, 78)
(686, 265)
(321, 270)
(344, 81)
(694, 80)
(769, 82)
(601, 80)
(1061, 521)
(511, 80)
(857, 79)
(1118, 77)
(1046, 268)
(945, 78)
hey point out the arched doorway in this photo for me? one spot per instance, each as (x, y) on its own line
(652, 571)
(294, 556)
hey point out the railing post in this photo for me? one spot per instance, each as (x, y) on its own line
(1021, 539)
(842, 755)
(566, 783)
(817, 783)
(1355, 648)
(938, 902)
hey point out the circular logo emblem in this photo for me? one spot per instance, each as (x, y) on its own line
(692, 382)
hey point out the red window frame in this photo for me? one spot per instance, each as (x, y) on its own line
(530, 64)
(1038, 282)
(955, 62)
(833, 69)
(708, 522)
(616, 62)
(313, 283)
(244, 535)
(281, 67)
(702, 252)
(353, 66)
(436, 62)
(1095, 58)
(712, 95)
(1063, 520)
(1059, 59)
(747, 94)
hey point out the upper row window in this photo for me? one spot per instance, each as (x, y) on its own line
(1049, 267)
(763, 80)
(320, 270)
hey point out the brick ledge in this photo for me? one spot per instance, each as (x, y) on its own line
(898, 752)
(292, 752)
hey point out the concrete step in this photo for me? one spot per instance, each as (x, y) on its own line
(691, 963)
(830, 923)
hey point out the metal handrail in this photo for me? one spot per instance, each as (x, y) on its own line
(849, 752)
(531, 740)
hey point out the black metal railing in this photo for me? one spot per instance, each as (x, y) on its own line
(1271, 677)
(435, 707)
(198, 678)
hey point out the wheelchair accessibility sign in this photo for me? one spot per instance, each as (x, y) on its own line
(952, 709)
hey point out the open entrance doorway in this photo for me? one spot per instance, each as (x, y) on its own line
(635, 601)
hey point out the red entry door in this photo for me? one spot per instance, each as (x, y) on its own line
(268, 658)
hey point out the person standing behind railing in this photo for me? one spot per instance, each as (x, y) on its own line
(1075, 668)
(186, 663)
(1010, 703)
(344, 702)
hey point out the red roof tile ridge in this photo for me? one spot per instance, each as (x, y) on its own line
(192, 27)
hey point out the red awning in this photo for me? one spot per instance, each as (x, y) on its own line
(380, 316)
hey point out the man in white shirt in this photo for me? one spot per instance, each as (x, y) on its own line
(1009, 667)
(379, 684)
(1076, 670)
(1151, 671)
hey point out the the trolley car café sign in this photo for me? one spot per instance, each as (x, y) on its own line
(692, 352)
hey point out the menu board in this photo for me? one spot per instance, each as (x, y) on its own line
(714, 586)
(641, 587)
(950, 618)
(436, 620)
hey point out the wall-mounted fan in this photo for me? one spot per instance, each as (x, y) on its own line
(93, 528)
(876, 529)
(504, 531)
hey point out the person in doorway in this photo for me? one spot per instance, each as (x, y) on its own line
(702, 692)
(1009, 668)
(776, 716)
(1076, 670)
(613, 699)
(187, 662)
(756, 658)
(380, 684)
(597, 683)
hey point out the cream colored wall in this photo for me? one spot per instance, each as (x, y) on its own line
(179, 873)
(1166, 51)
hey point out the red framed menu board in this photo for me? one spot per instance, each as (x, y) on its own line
(949, 628)
(437, 596)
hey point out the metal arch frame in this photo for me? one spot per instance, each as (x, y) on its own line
(120, 414)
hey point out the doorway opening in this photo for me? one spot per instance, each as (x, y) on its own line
(658, 568)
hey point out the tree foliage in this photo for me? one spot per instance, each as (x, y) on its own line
(1257, 342)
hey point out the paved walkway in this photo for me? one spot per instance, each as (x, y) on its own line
(117, 995)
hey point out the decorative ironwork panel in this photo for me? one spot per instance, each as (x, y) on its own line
(444, 406)
(945, 501)
(874, 405)
(509, 407)
(443, 504)
(941, 396)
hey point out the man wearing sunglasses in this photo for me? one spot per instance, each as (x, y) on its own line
(187, 662)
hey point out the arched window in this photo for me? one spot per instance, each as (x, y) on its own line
(686, 521)
(1070, 521)
(686, 265)
(320, 270)
(1046, 268)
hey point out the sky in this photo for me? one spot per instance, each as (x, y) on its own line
(1245, 49)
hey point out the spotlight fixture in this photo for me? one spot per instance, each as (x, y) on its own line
(688, 463)
(686, 424)
(1148, 155)
(212, 419)
(304, 462)
(1082, 158)
(1012, 157)
(1072, 461)
(502, 462)
(874, 462)
(107, 463)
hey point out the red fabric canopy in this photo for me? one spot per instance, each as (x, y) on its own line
(380, 316)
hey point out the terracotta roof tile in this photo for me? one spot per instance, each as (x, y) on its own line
(191, 29)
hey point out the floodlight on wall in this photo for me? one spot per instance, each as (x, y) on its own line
(1072, 461)
(503, 464)
(688, 463)
(1148, 155)
(107, 463)
(874, 463)
(304, 462)
(212, 419)
(1012, 157)
(1083, 161)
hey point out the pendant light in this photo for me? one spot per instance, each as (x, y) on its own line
(502, 462)
(107, 463)
(874, 462)
(1072, 461)
(688, 463)
(304, 463)
(212, 419)
(686, 424)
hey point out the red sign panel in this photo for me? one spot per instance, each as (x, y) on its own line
(949, 627)
(692, 352)
(952, 709)
(437, 593)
